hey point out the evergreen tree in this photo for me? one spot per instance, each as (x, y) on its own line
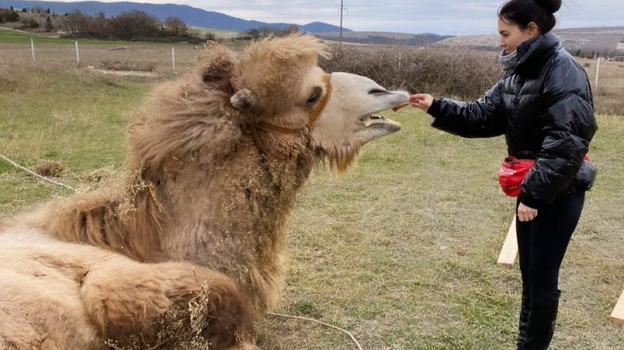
(12, 16)
(32, 24)
(48, 25)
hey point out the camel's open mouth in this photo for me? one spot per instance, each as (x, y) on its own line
(378, 121)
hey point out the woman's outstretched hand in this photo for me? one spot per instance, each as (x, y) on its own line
(421, 101)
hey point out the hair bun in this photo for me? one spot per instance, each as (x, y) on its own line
(551, 6)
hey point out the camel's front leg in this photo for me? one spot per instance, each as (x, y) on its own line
(168, 305)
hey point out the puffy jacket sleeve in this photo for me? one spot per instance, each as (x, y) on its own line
(569, 126)
(481, 118)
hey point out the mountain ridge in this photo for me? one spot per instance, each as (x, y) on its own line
(192, 16)
(602, 39)
(607, 38)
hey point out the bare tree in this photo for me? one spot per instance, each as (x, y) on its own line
(76, 24)
(135, 25)
(100, 27)
(291, 29)
(176, 26)
(267, 31)
(48, 27)
(38, 10)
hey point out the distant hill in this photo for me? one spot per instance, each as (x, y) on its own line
(600, 39)
(587, 39)
(386, 38)
(190, 15)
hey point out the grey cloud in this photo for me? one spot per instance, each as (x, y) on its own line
(450, 17)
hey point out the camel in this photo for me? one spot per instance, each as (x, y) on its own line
(214, 162)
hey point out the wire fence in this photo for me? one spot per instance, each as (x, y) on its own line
(153, 59)
(450, 72)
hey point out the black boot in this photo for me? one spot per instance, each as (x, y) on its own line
(542, 320)
(524, 317)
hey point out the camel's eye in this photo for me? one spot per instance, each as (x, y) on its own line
(314, 96)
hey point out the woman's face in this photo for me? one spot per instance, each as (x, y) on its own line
(512, 36)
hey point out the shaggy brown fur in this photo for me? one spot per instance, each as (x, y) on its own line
(57, 295)
(200, 190)
(207, 185)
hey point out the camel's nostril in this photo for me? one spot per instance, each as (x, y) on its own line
(378, 92)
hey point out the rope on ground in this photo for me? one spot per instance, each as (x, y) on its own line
(35, 174)
(319, 322)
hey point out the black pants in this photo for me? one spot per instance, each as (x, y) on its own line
(542, 244)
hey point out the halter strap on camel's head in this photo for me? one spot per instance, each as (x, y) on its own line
(313, 118)
(279, 90)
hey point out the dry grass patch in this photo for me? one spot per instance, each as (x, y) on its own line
(50, 168)
(153, 58)
(609, 94)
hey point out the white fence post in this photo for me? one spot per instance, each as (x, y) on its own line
(597, 72)
(77, 54)
(32, 48)
(173, 59)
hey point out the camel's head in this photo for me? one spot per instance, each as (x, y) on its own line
(349, 119)
(278, 86)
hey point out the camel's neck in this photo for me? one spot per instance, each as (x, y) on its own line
(229, 216)
(232, 217)
(213, 207)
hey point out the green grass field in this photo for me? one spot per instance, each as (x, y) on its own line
(157, 58)
(11, 36)
(401, 252)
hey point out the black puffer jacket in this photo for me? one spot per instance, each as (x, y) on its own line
(544, 107)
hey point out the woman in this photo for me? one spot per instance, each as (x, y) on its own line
(543, 105)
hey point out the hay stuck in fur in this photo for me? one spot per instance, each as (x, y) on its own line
(213, 166)
(181, 327)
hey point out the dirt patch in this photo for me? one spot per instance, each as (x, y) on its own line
(125, 73)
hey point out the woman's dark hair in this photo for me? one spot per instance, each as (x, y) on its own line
(523, 12)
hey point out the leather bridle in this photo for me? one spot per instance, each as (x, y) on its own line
(315, 114)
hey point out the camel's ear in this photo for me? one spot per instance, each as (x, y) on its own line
(218, 77)
(243, 99)
(216, 64)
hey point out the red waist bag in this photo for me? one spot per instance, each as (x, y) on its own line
(511, 174)
(513, 171)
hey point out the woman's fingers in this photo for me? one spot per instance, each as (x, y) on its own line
(526, 213)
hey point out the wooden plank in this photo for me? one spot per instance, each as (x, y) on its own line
(617, 316)
(509, 252)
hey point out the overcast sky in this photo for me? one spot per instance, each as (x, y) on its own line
(448, 17)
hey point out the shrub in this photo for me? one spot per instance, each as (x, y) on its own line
(11, 16)
(455, 73)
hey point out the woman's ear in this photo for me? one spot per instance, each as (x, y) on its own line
(533, 30)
